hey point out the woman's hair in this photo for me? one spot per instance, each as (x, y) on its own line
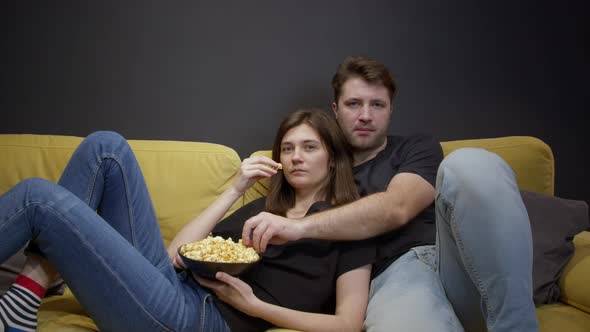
(339, 187)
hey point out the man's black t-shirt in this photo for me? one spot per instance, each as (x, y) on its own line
(300, 275)
(418, 154)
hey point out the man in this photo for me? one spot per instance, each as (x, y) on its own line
(479, 273)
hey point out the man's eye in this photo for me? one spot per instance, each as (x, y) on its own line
(352, 104)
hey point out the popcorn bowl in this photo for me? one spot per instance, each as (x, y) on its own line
(208, 269)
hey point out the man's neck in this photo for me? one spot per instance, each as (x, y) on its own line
(366, 155)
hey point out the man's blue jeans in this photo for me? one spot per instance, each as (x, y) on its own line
(98, 228)
(478, 277)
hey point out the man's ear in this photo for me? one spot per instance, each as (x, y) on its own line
(335, 109)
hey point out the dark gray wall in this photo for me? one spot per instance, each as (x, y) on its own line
(227, 71)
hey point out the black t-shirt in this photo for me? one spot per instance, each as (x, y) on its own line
(300, 275)
(418, 154)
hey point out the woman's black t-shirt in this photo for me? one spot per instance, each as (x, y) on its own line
(299, 275)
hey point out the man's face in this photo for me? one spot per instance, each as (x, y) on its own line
(363, 112)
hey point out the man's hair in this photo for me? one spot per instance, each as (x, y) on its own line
(338, 187)
(369, 70)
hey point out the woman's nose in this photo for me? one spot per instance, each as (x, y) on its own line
(296, 157)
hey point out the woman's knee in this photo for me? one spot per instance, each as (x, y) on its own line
(105, 137)
(35, 184)
(35, 190)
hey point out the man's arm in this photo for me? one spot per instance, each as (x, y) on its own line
(406, 196)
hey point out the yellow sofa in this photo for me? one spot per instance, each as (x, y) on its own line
(184, 177)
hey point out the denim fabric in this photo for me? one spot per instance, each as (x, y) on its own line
(98, 228)
(408, 296)
(478, 277)
(484, 242)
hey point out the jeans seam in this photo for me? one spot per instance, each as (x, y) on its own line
(203, 306)
(119, 163)
(466, 259)
(100, 258)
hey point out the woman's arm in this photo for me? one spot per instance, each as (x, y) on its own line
(352, 296)
(251, 170)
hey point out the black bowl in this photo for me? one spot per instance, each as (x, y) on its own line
(208, 269)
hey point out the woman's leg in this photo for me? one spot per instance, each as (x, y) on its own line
(119, 287)
(484, 243)
(104, 174)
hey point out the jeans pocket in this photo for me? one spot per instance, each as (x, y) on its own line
(427, 255)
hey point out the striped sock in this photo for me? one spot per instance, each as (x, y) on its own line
(19, 305)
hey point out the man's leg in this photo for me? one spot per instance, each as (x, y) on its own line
(484, 243)
(408, 296)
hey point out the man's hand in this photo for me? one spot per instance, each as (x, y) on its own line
(267, 228)
(233, 291)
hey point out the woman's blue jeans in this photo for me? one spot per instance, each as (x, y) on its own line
(99, 229)
(478, 277)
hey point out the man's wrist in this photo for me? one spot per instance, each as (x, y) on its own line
(306, 229)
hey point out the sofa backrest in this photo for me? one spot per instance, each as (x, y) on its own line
(185, 177)
(182, 177)
(529, 157)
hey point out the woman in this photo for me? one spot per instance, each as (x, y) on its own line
(116, 264)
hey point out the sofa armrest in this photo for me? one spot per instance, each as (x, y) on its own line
(575, 288)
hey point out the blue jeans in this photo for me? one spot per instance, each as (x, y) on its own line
(98, 228)
(478, 277)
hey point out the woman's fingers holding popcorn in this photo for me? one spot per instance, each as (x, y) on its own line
(254, 169)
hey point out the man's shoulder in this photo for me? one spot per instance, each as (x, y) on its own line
(410, 142)
(412, 138)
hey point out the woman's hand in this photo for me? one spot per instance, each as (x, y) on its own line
(252, 170)
(177, 262)
(233, 291)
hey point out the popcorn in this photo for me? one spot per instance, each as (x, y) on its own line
(216, 249)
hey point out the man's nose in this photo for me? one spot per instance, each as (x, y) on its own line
(365, 114)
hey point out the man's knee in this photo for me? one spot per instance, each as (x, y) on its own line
(472, 171)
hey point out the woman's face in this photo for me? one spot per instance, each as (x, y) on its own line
(304, 158)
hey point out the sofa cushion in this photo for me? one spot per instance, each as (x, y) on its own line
(574, 285)
(554, 223)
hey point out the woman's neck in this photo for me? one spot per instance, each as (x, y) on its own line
(303, 201)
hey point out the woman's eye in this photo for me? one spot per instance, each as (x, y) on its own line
(286, 149)
(310, 147)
